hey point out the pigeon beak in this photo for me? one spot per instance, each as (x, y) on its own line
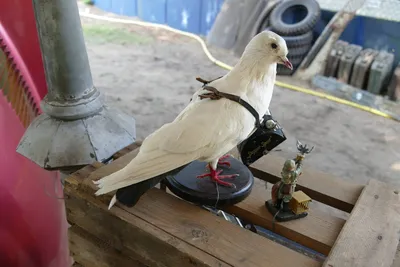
(285, 61)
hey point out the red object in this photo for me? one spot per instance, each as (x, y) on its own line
(33, 225)
(215, 174)
(222, 161)
(18, 19)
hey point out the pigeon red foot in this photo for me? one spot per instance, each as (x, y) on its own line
(222, 161)
(216, 177)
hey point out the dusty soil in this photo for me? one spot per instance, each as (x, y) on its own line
(150, 74)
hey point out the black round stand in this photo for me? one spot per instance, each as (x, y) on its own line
(203, 191)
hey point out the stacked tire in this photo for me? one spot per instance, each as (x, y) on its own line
(298, 36)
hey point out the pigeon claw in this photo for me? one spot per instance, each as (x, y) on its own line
(222, 161)
(217, 178)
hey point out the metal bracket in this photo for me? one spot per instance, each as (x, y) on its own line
(228, 217)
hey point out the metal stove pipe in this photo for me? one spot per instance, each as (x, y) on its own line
(75, 128)
(71, 94)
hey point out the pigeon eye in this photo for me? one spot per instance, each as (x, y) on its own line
(274, 46)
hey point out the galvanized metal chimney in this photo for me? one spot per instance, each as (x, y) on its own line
(76, 128)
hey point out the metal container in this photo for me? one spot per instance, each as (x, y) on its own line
(380, 72)
(263, 140)
(334, 56)
(361, 68)
(347, 61)
(394, 86)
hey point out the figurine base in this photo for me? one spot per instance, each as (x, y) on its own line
(283, 216)
(203, 191)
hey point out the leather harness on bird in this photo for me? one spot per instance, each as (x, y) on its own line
(261, 141)
(215, 95)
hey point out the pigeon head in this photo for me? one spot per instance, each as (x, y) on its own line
(268, 45)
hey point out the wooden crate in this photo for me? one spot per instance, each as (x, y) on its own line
(163, 230)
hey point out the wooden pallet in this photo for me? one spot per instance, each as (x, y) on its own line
(163, 230)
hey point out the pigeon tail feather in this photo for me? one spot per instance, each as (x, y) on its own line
(141, 170)
(112, 202)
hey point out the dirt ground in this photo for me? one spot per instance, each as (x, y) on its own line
(150, 74)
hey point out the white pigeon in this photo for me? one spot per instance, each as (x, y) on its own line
(208, 129)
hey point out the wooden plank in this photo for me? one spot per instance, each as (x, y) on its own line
(114, 166)
(132, 235)
(319, 186)
(317, 231)
(127, 149)
(126, 232)
(371, 235)
(87, 250)
(208, 239)
(234, 245)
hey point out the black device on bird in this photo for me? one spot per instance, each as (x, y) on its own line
(267, 135)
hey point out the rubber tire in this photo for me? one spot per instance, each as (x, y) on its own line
(296, 41)
(303, 26)
(299, 50)
(299, 40)
(262, 23)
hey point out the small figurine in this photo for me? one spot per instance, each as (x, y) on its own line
(286, 204)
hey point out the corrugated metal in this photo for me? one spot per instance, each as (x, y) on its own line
(152, 11)
(209, 12)
(123, 7)
(184, 15)
(196, 16)
(105, 4)
(378, 9)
